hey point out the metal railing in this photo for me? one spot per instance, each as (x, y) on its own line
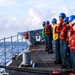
(10, 47)
(15, 45)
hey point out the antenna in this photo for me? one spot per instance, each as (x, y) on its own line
(27, 30)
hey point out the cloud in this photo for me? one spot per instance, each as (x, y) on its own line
(32, 20)
(12, 23)
(28, 16)
(7, 2)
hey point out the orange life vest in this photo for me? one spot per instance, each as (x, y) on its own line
(59, 27)
(72, 42)
(48, 29)
(63, 33)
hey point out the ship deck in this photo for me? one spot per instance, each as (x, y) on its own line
(44, 63)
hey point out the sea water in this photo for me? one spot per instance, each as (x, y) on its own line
(10, 49)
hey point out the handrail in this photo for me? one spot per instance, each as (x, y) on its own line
(8, 37)
(10, 48)
(15, 47)
(1, 39)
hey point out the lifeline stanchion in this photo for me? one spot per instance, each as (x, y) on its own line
(12, 47)
(18, 45)
(4, 52)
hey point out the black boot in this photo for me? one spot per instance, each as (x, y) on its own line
(57, 62)
(64, 66)
(46, 49)
(49, 52)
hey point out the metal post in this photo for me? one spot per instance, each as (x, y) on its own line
(22, 42)
(4, 51)
(17, 45)
(11, 47)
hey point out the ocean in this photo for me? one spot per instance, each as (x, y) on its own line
(10, 49)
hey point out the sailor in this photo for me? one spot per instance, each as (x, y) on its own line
(72, 42)
(44, 35)
(48, 32)
(71, 29)
(65, 51)
(59, 28)
(56, 42)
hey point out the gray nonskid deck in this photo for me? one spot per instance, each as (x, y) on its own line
(42, 59)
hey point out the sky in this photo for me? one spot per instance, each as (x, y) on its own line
(20, 15)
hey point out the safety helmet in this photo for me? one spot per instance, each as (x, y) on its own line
(43, 23)
(54, 20)
(63, 15)
(47, 22)
(66, 19)
(72, 19)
